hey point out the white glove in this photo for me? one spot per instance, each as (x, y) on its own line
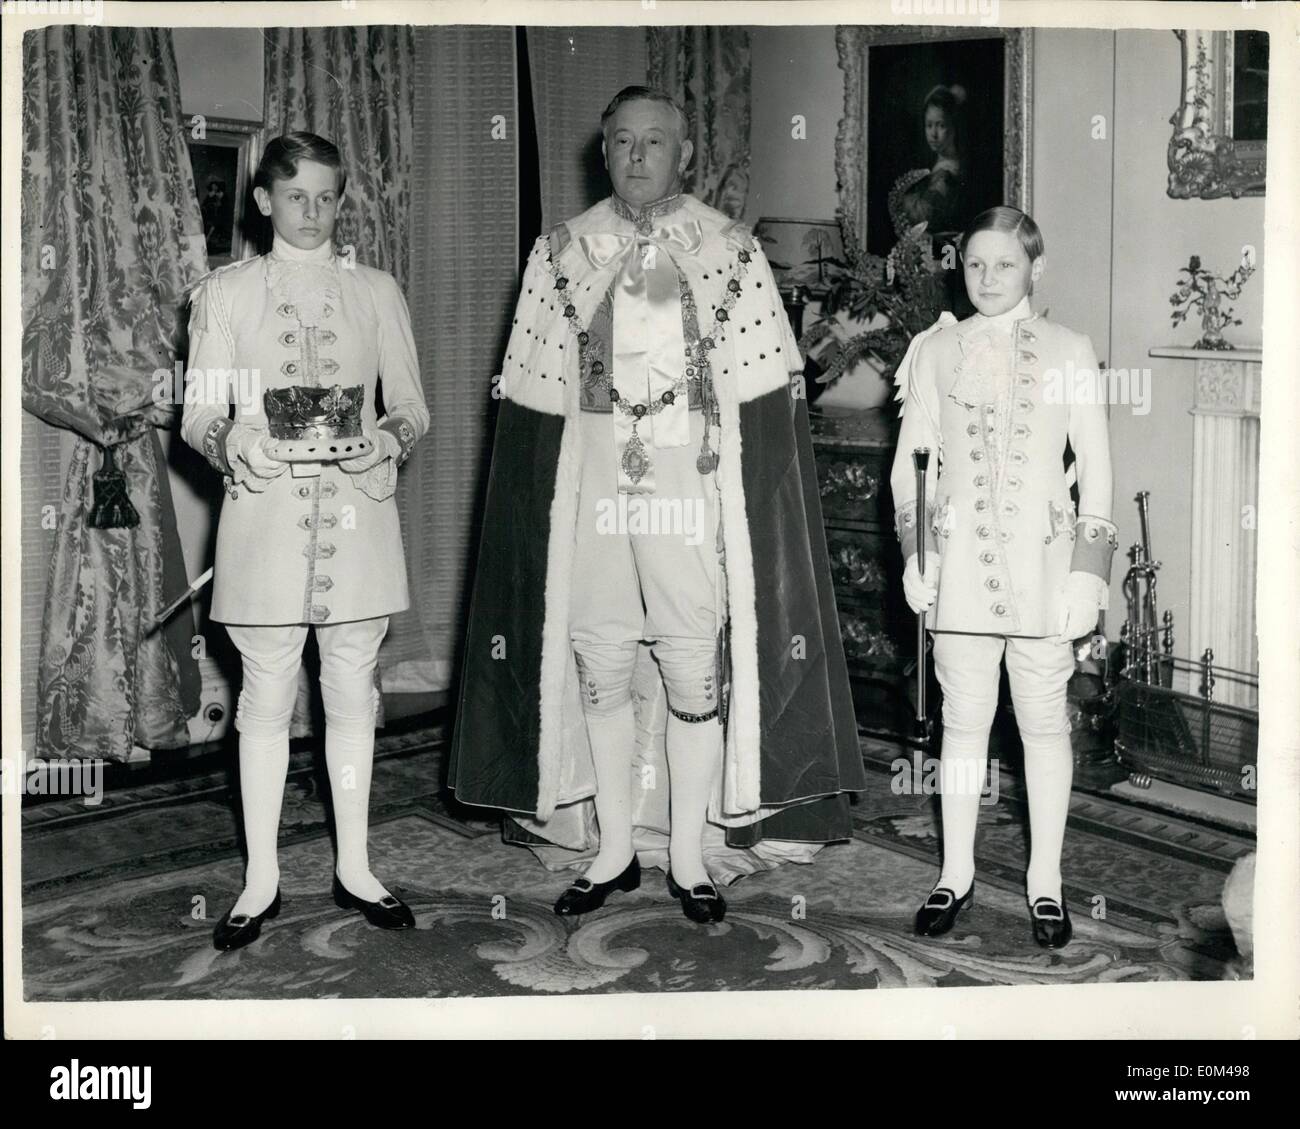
(385, 446)
(1084, 596)
(250, 447)
(921, 593)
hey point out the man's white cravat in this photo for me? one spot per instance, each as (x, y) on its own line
(649, 348)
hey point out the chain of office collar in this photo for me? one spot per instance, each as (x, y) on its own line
(721, 315)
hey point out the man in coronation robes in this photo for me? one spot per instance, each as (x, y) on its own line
(653, 671)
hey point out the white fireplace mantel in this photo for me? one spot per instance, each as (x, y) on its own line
(1225, 500)
(1227, 380)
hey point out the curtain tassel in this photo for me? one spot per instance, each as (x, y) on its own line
(112, 508)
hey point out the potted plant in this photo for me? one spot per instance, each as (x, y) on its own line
(893, 297)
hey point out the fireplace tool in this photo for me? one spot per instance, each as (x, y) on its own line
(1170, 724)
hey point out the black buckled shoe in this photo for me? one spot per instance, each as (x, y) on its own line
(584, 895)
(387, 913)
(940, 911)
(240, 929)
(1052, 928)
(701, 903)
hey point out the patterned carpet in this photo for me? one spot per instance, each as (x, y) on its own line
(119, 903)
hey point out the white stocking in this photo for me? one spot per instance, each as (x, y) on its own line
(694, 756)
(1049, 772)
(347, 677)
(349, 756)
(612, 736)
(263, 766)
(1040, 672)
(968, 668)
(963, 762)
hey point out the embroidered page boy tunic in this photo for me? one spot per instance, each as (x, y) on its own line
(325, 548)
(992, 397)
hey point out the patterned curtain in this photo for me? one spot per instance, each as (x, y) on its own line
(707, 69)
(356, 86)
(111, 237)
(575, 72)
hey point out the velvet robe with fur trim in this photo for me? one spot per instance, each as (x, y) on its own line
(791, 751)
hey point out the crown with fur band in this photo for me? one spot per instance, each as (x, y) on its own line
(314, 413)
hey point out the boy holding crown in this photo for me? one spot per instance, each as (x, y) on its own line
(309, 533)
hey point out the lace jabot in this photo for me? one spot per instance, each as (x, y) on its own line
(306, 280)
(984, 372)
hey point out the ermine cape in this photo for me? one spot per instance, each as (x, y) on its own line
(791, 750)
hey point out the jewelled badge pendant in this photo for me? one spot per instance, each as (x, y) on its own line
(635, 461)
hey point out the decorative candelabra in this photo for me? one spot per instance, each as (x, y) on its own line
(1205, 293)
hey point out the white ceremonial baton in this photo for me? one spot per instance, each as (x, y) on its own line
(921, 461)
(189, 593)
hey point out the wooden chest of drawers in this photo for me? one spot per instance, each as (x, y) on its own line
(854, 453)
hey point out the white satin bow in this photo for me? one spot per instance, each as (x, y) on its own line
(649, 347)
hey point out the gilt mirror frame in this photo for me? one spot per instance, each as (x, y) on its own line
(853, 43)
(1205, 162)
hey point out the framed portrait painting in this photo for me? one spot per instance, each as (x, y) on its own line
(935, 129)
(224, 158)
